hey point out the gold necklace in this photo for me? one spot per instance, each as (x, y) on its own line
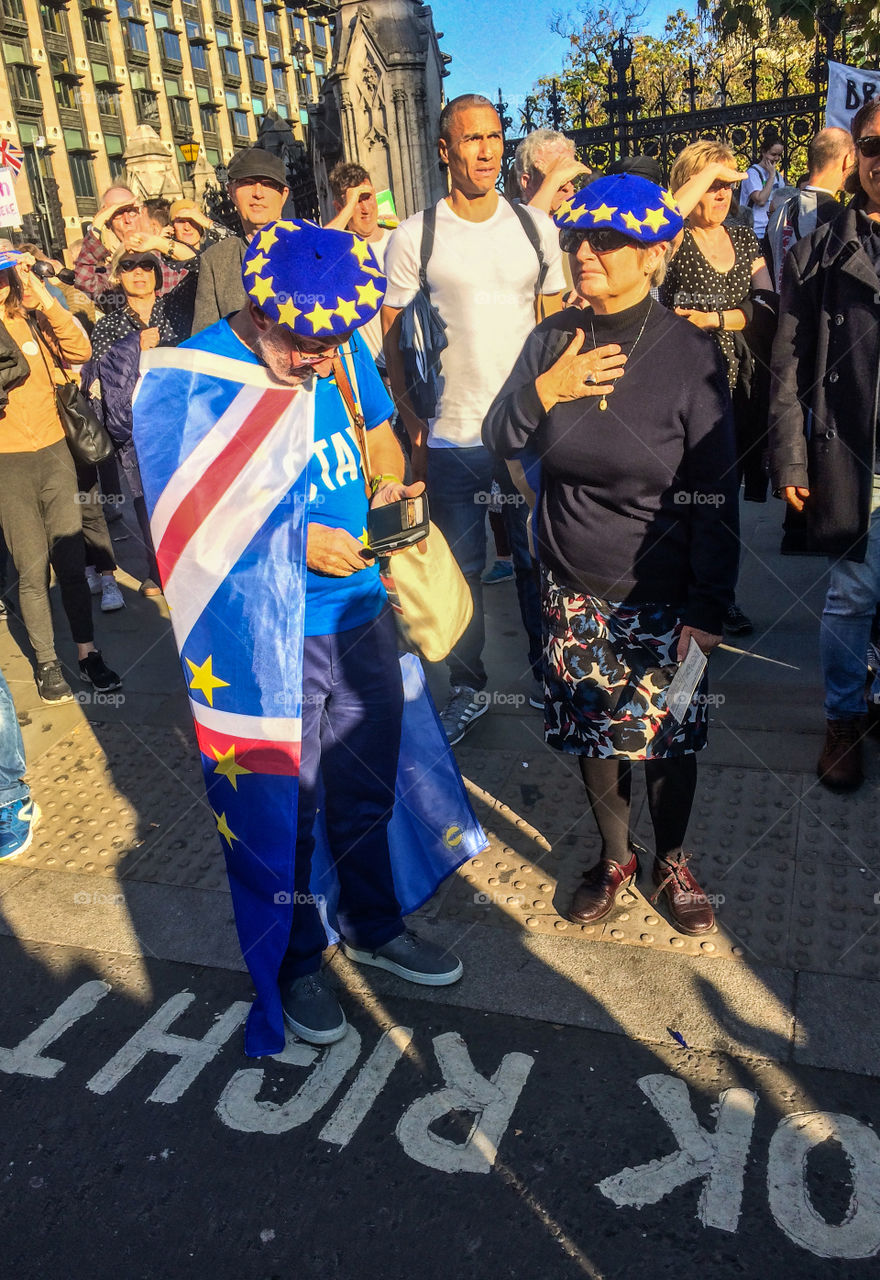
(603, 403)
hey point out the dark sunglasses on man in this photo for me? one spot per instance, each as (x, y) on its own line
(869, 146)
(600, 239)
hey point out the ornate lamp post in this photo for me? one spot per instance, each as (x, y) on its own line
(189, 149)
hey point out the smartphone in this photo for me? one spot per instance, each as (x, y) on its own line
(397, 525)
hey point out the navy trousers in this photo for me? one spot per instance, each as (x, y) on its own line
(352, 707)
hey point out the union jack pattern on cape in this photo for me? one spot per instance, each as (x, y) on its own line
(224, 454)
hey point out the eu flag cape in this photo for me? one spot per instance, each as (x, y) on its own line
(223, 453)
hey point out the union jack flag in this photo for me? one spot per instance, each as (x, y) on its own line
(224, 457)
(11, 156)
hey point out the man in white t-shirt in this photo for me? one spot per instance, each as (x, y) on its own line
(354, 199)
(482, 276)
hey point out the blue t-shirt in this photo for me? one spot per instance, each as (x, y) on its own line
(336, 494)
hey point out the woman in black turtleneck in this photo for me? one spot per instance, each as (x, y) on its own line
(626, 408)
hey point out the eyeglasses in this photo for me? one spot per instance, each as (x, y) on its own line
(131, 264)
(600, 239)
(869, 146)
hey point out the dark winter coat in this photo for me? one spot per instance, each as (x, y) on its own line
(825, 378)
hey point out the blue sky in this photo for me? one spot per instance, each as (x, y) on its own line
(508, 43)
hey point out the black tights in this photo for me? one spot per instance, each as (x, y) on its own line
(671, 783)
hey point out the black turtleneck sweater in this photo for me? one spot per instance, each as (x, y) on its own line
(639, 503)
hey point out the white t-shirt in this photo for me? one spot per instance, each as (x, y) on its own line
(482, 279)
(371, 332)
(754, 181)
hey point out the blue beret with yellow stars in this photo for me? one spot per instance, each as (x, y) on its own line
(316, 282)
(630, 204)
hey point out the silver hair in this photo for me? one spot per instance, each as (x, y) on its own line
(525, 159)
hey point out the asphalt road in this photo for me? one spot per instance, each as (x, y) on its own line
(139, 1143)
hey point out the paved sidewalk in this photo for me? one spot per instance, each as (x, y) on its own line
(615, 1146)
(798, 868)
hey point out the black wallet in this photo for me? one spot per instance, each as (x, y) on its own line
(397, 525)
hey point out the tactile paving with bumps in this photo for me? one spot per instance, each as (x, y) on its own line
(743, 834)
(128, 803)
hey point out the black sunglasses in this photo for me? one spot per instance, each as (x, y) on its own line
(130, 264)
(600, 239)
(869, 146)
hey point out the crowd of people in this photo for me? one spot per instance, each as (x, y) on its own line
(619, 361)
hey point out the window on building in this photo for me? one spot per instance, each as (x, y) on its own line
(319, 69)
(222, 38)
(212, 156)
(26, 83)
(283, 109)
(181, 118)
(249, 11)
(114, 147)
(161, 19)
(239, 122)
(270, 18)
(319, 36)
(278, 78)
(13, 9)
(171, 46)
(94, 29)
(63, 81)
(230, 62)
(134, 31)
(146, 106)
(198, 57)
(223, 7)
(82, 174)
(258, 106)
(208, 117)
(52, 19)
(108, 101)
(297, 27)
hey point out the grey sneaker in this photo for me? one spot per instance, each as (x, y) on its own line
(463, 708)
(312, 1011)
(412, 958)
(536, 695)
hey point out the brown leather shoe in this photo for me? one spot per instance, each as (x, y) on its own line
(688, 905)
(595, 895)
(840, 764)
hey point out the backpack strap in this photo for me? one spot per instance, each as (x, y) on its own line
(527, 223)
(429, 223)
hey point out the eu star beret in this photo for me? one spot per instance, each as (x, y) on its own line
(314, 281)
(630, 204)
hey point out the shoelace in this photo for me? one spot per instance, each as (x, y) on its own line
(313, 986)
(677, 873)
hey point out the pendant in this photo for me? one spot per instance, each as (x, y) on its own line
(603, 404)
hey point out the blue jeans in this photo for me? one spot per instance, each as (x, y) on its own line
(459, 484)
(12, 764)
(352, 708)
(853, 594)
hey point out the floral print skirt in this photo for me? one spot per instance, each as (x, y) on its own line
(607, 667)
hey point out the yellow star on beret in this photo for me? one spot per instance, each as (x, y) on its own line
(668, 200)
(320, 318)
(267, 238)
(655, 219)
(564, 211)
(287, 312)
(604, 213)
(262, 289)
(255, 266)
(287, 225)
(347, 310)
(368, 295)
(634, 223)
(360, 249)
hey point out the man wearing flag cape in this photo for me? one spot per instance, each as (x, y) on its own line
(337, 802)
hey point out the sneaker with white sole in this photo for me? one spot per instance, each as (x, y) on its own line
(500, 571)
(312, 1011)
(94, 670)
(412, 958)
(111, 596)
(463, 708)
(94, 579)
(17, 822)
